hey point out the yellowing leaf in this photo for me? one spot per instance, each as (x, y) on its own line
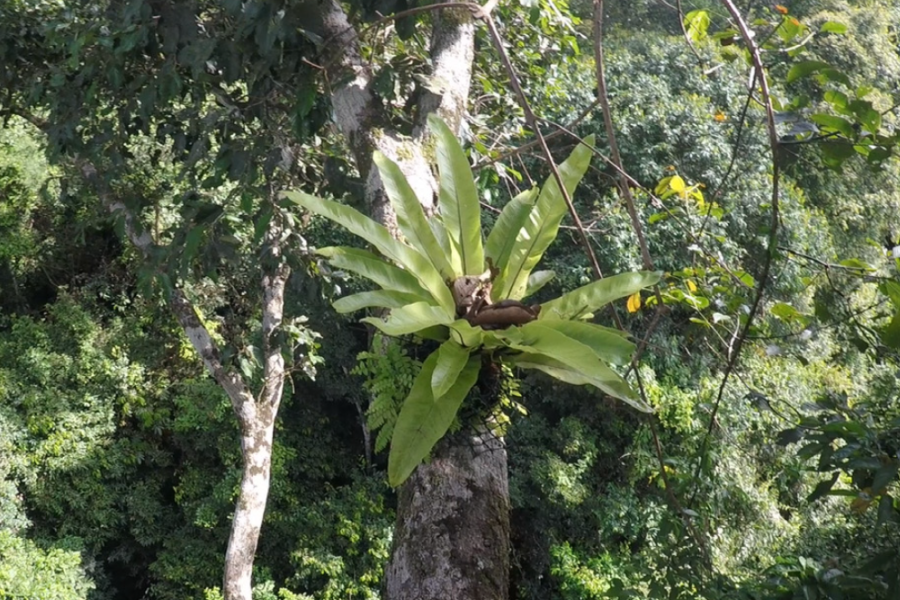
(677, 184)
(692, 286)
(634, 302)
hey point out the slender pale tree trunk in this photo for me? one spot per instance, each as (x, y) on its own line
(256, 451)
(255, 415)
(452, 534)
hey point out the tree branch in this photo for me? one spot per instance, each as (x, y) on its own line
(181, 306)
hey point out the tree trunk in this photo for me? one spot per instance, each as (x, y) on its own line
(256, 451)
(256, 417)
(452, 534)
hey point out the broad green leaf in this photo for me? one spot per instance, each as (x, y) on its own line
(410, 216)
(541, 343)
(375, 269)
(823, 487)
(452, 358)
(833, 27)
(410, 319)
(376, 234)
(607, 344)
(891, 335)
(542, 224)
(592, 296)
(502, 237)
(784, 311)
(840, 124)
(537, 280)
(892, 290)
(804, 68)
(458, 198)
(696, 23)
(465, 334)
(448, 245)
(573, 362)
(424, 419)
(886, 512)
(378, 298)
(833, 75)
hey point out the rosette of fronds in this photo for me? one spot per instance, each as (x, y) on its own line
(443, 281)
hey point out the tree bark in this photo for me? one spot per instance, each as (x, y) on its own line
(256, 417)
(257, 428)
(452, 533)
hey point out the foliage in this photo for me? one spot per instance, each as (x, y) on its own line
(389, 374)
(29, 571)
(428, 270)
(118, 457)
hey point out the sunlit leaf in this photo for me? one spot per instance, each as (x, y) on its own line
(589, 298)
(410, 216)
(410, 319)
(502, 238)
(540, 229)
(458, 198)
(374, 299)
(375, 269)
(424, 419)
(451, 359)
(377, 235)
(607, 344)
(696, 23)
(537, 280)
(569, 360)
(634, 302)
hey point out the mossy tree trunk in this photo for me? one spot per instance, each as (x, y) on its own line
(452, 535)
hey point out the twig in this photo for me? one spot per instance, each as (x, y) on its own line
(773, 227)
(532, 122)
(518, 150)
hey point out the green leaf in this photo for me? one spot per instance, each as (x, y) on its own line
(465, 334)
(452, 358)
(410, 216)
(890, 337)
(376, 269)
(839, 124)
(884, 476)
(892, 290)
(785, 312)
(607, 344)
(696, 23)
(458, 198)
(823, 487)
(571, 361)
(378, 235)
(410, 319)
(805, 68)
(592, 296)
(833, 75)
(424, 419)
(502, 237)
(855, 263)
(542, 224)
(378, 298)
(886, 513)
(833, 27)
(537, 280)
